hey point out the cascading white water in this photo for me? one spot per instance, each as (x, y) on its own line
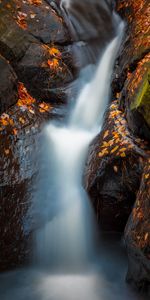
(66, 240)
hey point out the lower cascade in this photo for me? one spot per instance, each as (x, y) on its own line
(65, 239)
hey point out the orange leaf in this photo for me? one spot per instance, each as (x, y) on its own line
(114, 149)
(6, 151)
(106, 134)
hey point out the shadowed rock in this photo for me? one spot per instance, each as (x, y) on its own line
(113, 170)
(8, 85)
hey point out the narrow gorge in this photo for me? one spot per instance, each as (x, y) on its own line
(75, 155)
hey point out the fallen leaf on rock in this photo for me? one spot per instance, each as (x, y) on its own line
(106, 134)
(123, 149)
(6, 151)
(31, 111)
(21, 120)
(55, 52)
(15, 131)
(53, 64)
(123, 154)
(35, 2)
(115, 169)
(114, 149)
(32, 15)
(146, 236)
(43, 107)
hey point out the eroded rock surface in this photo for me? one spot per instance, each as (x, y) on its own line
(137, 235)
(20, 129)
(117, 170)
(114, 169)
(33, 39)
(8, 85)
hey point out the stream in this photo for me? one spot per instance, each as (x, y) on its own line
(71, 260)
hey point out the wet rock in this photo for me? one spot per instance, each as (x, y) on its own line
(131, 85)
(13, 40)
(109, 178)
(20, 129)
(36, 18)
(29, 33)
(8, 85)
(137, 235)
(14, 247)
(133, 64)
(44, 71)
(137, 94)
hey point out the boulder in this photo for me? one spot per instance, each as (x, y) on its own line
(8, 85)
(113, 170)
(37, 18)
(20, 129)
(34, 39)
(45, 72)
(132, 66)
(137, 93)
(137, 235)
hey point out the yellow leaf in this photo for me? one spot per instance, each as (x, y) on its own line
(21, 120)
(123, 149)
(123, 154)
(106, 134)
(146, 176)
(114, 149)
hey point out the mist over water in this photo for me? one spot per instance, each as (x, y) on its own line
(67, 264)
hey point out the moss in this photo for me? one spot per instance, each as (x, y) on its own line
(142, 99)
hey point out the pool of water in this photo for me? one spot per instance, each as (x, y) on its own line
(103, 279)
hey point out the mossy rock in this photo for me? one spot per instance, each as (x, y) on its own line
(141, 102)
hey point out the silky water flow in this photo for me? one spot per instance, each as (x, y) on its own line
(66, 263)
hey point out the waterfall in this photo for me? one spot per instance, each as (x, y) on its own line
(65, 239)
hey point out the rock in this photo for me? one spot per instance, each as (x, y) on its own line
(14, 247)
(20, 129)
(133, 64)
(13, 40)
(109, 179)
(137, 93)
(36, 18)
(131, 83)
(137, 236)
(8, 85)
(44, 72)
(29, 33)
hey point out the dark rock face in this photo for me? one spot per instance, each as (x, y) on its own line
(45, 68)
(117, 169)
(113, 171)
(20, 129)
(134, 95)
(118, 162)
(8, 85)
(133, 65)
(30, 35)
(137, 236)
